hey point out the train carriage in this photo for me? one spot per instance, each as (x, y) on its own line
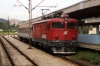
(23, 31)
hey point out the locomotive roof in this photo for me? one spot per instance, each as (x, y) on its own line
(26, 25)
(54, 20)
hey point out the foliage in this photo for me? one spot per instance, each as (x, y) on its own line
(93, 57)
(85, 29)
(13, 27)
(6, 33)
(5, 26)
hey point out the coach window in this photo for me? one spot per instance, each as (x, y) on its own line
(26, 30)
(21, 30)
(72, 25)
(30, 30)
(58, 25)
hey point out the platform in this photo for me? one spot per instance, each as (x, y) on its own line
(89, 46)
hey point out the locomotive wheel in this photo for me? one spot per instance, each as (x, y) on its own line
(21, 38)
(34, 43)
(50, 50)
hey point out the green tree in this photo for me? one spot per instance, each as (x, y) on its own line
(4, 26)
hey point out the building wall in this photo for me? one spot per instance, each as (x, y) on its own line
(93, 31)
(14, 21)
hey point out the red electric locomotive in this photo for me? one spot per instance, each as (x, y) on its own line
(59, 34)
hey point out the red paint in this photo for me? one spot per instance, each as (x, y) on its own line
(40, 29)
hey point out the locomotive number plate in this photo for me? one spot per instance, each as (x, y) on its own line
(44, 36)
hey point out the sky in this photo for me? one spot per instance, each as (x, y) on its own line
(7, 8)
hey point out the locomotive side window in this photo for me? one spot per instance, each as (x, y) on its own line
(72, 25)
(58, 25)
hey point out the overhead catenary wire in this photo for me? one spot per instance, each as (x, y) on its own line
(38, 5)
(30, 17)
(57, 4)
(33, 7)
(10, 10)
(7, 7)
(21, 14)
(61, 2)
(22, 4)
(27, 16)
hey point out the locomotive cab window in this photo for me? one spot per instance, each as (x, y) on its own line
(58, 25)
(72, 25)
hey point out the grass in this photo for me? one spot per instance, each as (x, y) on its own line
(6, 33)
(93, 57)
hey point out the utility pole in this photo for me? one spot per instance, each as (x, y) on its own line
(30, 18)
(8, 26)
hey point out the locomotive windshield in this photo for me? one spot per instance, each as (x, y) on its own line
(58, 25)
(72, 25)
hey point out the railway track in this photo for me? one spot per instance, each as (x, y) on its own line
(9, 47)
(77, 62)
(67, 58)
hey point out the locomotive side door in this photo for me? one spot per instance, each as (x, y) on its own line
(48, 31)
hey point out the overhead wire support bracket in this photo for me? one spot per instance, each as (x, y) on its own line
(37, 4)
(44, 6)
(22, 4)
(42, 11)
(48, 6)
(17, 5)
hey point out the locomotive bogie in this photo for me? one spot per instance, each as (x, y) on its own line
(63, 47)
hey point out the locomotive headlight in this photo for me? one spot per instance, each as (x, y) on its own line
(73, 37)
(71, 43)
(56, 37)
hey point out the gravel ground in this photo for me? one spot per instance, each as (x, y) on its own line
(40, 57)
(18, 59)
(5, 60)
(91, 46)
(0, 57)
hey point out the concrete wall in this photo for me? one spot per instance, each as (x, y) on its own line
(92, 38)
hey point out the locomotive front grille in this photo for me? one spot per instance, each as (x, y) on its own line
(64, 43)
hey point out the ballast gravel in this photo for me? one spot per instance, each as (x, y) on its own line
(38, 56)
(5, 60)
